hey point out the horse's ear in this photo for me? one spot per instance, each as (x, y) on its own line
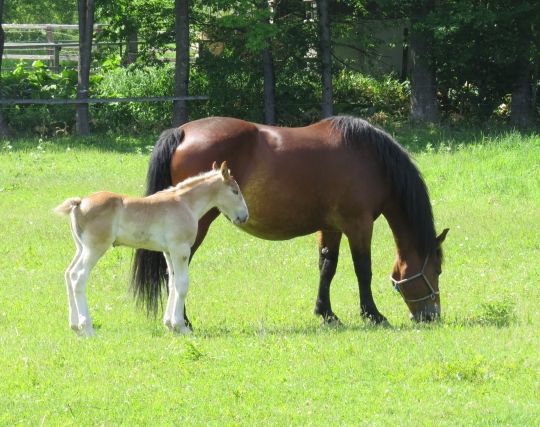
(441, 237)
(215, 166)
(225, 171)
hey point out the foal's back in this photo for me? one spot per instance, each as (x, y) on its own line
(150, 222)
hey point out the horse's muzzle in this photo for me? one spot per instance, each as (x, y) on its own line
(427, 314)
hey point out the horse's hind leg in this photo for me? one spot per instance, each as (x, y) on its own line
(328, 258)
(359, 235)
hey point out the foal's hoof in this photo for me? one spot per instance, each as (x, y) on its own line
(84, 331)
(181, 329)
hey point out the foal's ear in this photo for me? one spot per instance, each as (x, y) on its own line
(442, 236)
(225, 171)
(215, 167)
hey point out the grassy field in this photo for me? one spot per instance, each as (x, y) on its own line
(258, 355)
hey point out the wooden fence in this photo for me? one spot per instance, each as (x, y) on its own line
(50, 50)
(55, 51)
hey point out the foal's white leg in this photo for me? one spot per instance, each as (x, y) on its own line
(172, 292)
(180, 261)
(79, 277)
(73, 312)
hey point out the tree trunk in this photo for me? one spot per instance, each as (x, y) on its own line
(404, 56)
(86, 28)
(181, 75)
(326, 59)
(424, 106)
(2, 34)
(522, 111)
(132, 47)
(268, 72)
(3, 127)
(269, 87)
(522, 104)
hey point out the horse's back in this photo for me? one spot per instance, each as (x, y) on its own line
(295, 180)
(208, 140)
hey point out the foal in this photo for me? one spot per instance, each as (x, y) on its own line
(166, 221)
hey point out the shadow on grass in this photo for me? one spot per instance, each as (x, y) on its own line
(498, 314)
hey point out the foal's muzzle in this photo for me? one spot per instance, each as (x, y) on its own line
(241, 220)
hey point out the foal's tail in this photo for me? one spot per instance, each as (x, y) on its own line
(149, 270)
(67, 206)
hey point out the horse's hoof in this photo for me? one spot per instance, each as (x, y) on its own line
(376, 318)
(331, 320)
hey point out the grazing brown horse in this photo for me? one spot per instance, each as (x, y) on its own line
(334, 177)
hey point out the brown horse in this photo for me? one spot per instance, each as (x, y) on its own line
(334, 177)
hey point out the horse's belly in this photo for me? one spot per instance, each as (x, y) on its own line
(281, 224)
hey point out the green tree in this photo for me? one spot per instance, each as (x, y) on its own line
(41, 12)
(495, 45)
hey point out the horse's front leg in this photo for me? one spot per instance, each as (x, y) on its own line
(202, 230)
(180, 262)
(169, 310)
(360, 243)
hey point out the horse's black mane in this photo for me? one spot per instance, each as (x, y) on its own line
(405, 178)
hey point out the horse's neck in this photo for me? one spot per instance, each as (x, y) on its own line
(200, 198)
(406, 242)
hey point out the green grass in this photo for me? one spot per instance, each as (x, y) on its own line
(258, 355)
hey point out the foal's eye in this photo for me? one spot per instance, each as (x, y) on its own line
(235, 192)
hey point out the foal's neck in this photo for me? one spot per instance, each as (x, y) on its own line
(200, 197)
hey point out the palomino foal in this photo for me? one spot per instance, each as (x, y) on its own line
(166, 221)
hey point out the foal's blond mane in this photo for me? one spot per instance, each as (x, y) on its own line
(193, 181)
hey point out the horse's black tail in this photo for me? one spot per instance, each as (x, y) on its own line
(149, 270)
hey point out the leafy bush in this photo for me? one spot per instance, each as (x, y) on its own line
(133, 82)
(233, 89)
(365, 96)
(39, 83)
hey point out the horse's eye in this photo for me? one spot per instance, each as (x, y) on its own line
(235, 192)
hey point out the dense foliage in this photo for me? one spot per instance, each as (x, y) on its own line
(478, 48)
(229, 94)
